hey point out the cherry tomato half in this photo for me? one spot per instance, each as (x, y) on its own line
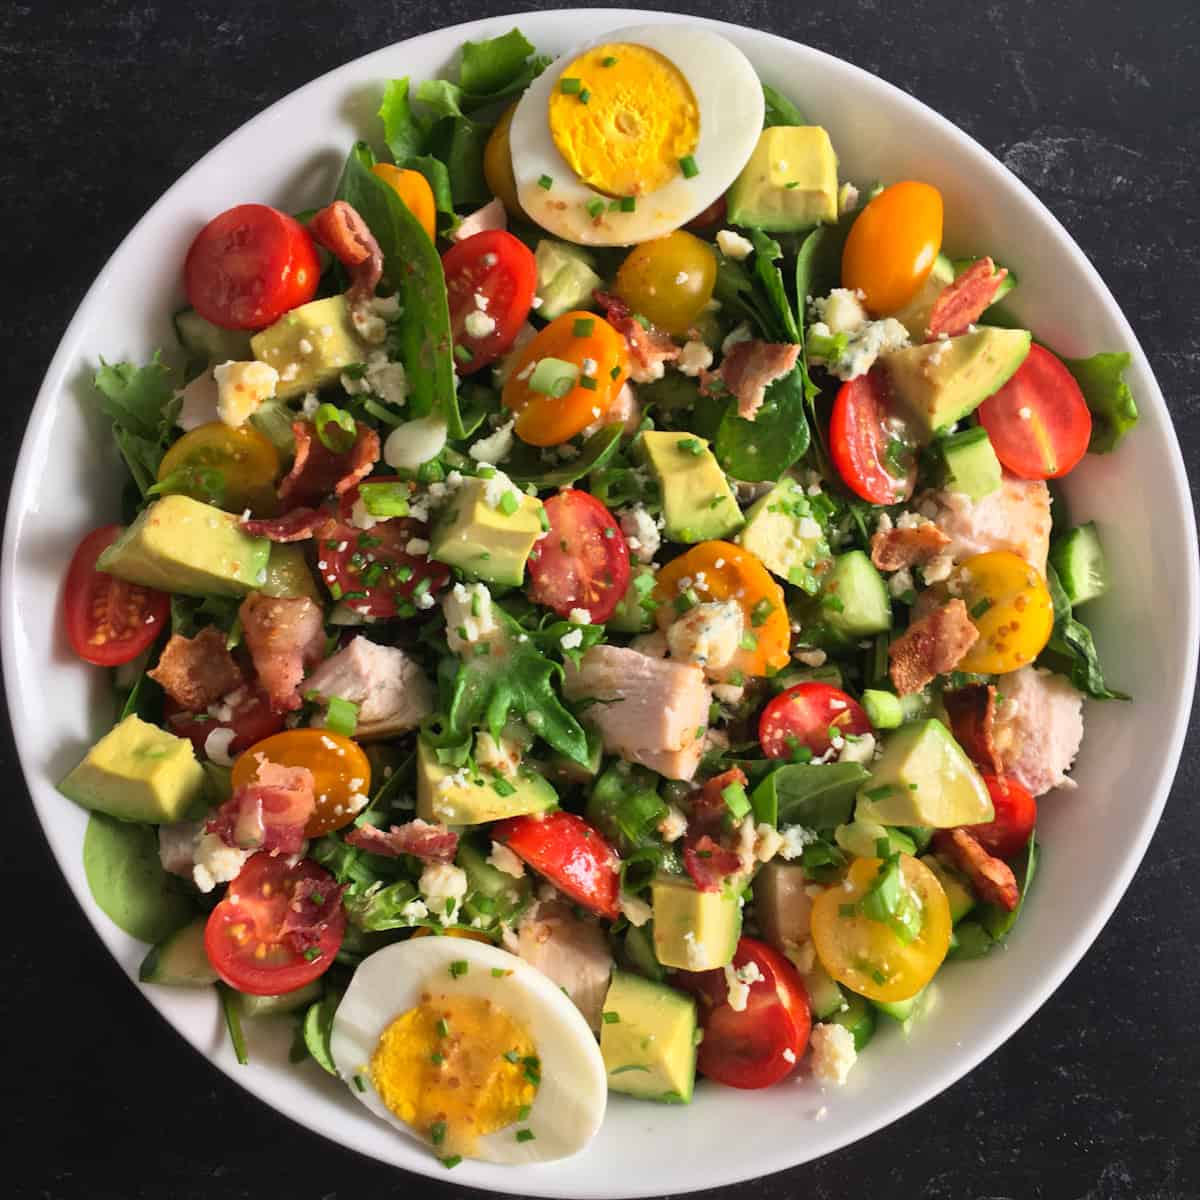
(1010, 605)
(1016, 815)
(875, 462)
(413, 188)
(583, 562)
(669, 280)
(251, 720)
(109, 621)
(247, 938)
(244, 461)
(249, 266)
(803, 716)
(493, 276)
(1038, 422)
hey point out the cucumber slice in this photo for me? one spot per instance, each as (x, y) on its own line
(270, 1006)
(824, 996)
(970, 940)
(858, 1017)
(855, 602)
(180, 959)
(208, 342)
(900, 1010)
(1079, 561)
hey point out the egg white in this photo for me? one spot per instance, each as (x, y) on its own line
(570, 1101)
(730, 102)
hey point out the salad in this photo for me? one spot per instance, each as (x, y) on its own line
(591, 607)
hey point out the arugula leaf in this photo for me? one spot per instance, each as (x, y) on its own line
(526, 466)
(1071, 649)
(1113, 408)
(404, 133)
(491, 66)
(779, 109)
(764, 448)
(141, 403)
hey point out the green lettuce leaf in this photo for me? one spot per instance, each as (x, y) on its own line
(141, 403)
(495, 64)
(404, 134)
(1114, 410)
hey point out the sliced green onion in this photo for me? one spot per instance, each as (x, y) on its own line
(570, 86)
(687, 165)
(792, 183)
(524, 1135)
(761, 611)
(608, 60)
(342, 716)
(595, 207)
(736, 800)
(336, 428)
(545, 183)
(459, 966)
(588, 383)
(748, 642)
(628, 203)
(611, 1018)
(553, 377)
(451, 1162)
(464, 354)
(509, 503)
(584, 96)
(384, 499)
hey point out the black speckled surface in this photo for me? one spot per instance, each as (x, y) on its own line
(1094, 103)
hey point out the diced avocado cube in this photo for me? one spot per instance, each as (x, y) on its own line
(924, 777)
(694, 930)
(958, 892)
(789, 183)
(972, 467)
(318, 339)
(178, 544)
(937, 383)
(782, 533)
(562, 769)
(565, 279)
(698, 503)
(914, 316)
(854, 599)
(648, 1040)
(454, 797)
(288, 572)
(884, 709)
(139, 772)
(481, 538)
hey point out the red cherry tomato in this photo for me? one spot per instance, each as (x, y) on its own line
(109, 621)
(803, 716)
(1016, 815)
(249, 266)
(575, 856)
(493, 274)
(1038, 422)
(278, 927)
(583, 562)
(875, 462)
(252, 720)
(760, 1045)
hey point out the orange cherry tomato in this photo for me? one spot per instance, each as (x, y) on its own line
(340, 770)
(892, 244)
(722, 571)
(413, 188)
(593, 346)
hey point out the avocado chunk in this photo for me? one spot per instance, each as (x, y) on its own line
(789, 183)
(139, 772)
(178, 544)
(562, 769)
(565, 279)
(288, 573)
(318, 339)
(698, 503)
(475, 533)
(972, 467)
(935, 384)
(914, 316)
(693, 930)
(451, 795)
(924, 778)
(958, 892)
(180, 960)
(781, 532)
(648, 1040)
(854, 599)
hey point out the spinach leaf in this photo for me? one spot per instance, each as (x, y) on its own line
(1071, 649)
(764, 448)
(766, 252)
(735, 289)
(996, 921)
(495, 64)
(459, 143)
(1113, 408)
(779, 109)
(817, 797)
(438, 176)
(141, 403)
(526, 466)
(403, 132)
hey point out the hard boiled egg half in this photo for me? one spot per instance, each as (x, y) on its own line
(634, 134)
(469, 1049)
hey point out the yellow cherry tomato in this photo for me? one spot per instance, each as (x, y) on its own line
(413, 188)
(596, 349)
(455, 931)
(236, 468)
(497, 165)
(865, 954)
(669, 280)
(1010, 605)
(341, 771)
(892, 244)
(722, 571)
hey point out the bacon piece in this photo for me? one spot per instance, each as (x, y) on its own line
(295, 526)
(748, 369)
(972, 713)
(893, 549)
(650, 347)
(196, 672)
(285, 635)
(991, 878)
(317, 470)
(962, 302)
(269, 814)
(709, 863)
(428, 842)
(346, 236)
(708, 806)
(314, 904)
(931, 646)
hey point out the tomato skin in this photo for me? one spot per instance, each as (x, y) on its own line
(253, 719)
(251, 916)
(246, 459)
(507, 285)
(109, 621)
(584, 560)
(803, 715)
(669, 280)
(250, 265)
(1010, 606)
(1038, 422)
(858, 440)
(497, 165)
(1016, 815)
(574, 855)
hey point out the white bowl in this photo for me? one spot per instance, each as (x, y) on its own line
(1094, 837)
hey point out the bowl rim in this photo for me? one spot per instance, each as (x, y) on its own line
(547, 21)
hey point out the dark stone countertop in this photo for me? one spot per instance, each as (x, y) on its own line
(1094, 103)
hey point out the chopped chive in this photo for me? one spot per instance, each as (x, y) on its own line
(443, 1027)
(628, 203)
(761, 611)
(977, 610)
(312, 953)
(608, 60)
(459, 967)
(464, 354)
(532, 1076)
(523, 1112)
(543, 518)
(451, 1162)
(359, 1084)
(584, 96)
(587, 383)
(502, 787)
(583, 326)
(499, 972)
(614, 372)
(595, 207)
(687, 165)
(611, 1018)
(437, 1132)
(570, 86)
(690, 446)
(509, 503)
(792, 183)
(437, 1059)
(524, 1135)
(748, 642)
(545, 183)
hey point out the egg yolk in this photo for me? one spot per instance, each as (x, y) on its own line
(454, 1069)
(623, 116)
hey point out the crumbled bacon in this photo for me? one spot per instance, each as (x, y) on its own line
(428, 842)
(269, 814)
(196, 672)
(346, 236)
(285, 635)
(962, 302)
(709, 863)
(708, 807)
(972, 713)
(313, 904)
(297, 525)
(317, 471)
(931, 646)
(893, 549)
(991, 878)
(747, 370)
(707, 859)
(649, 346)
